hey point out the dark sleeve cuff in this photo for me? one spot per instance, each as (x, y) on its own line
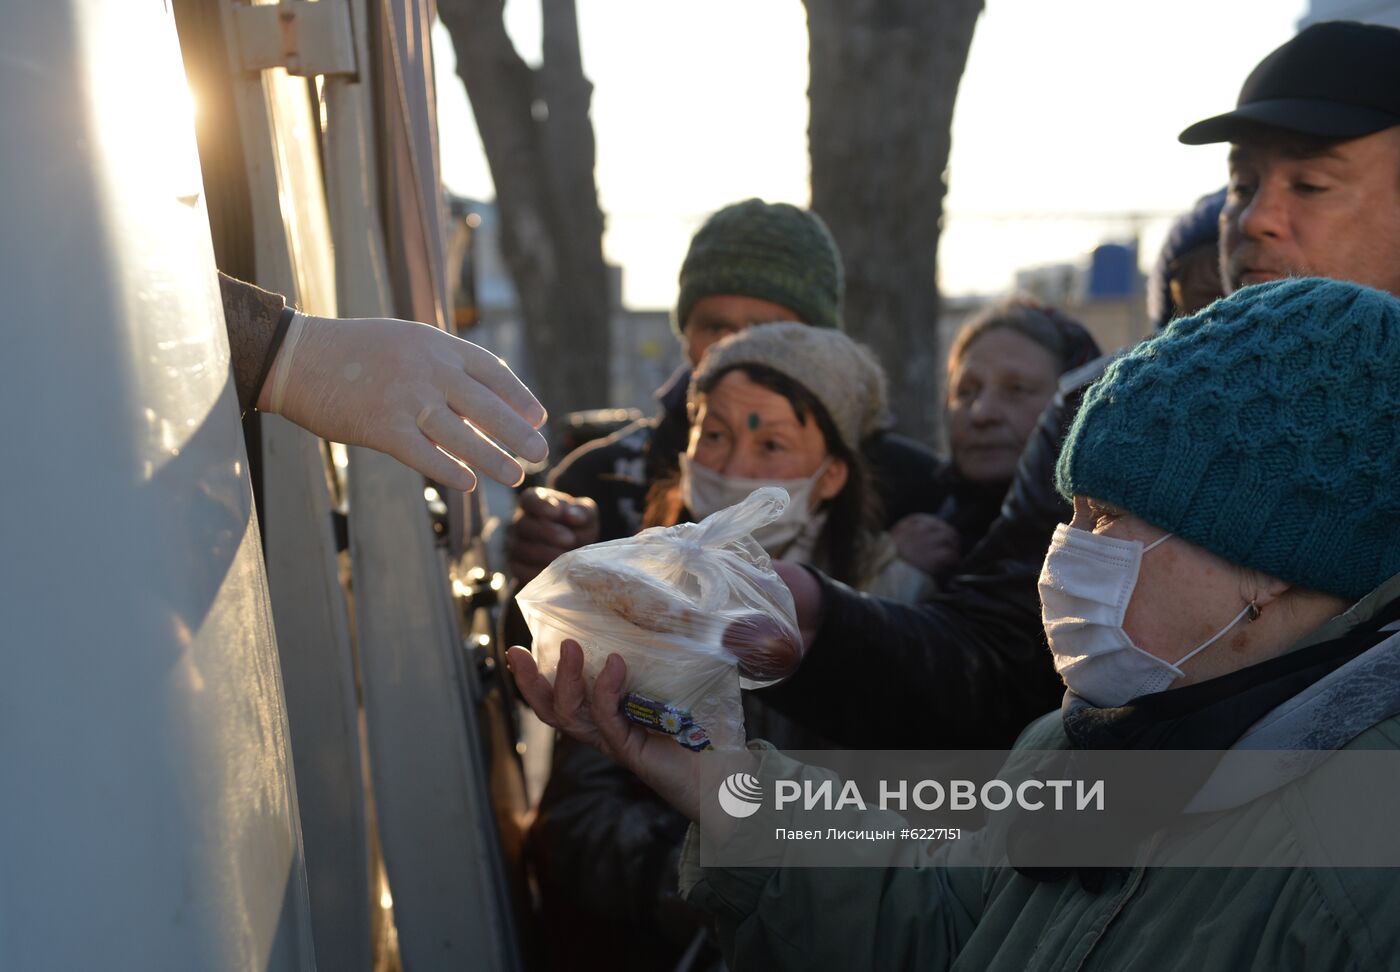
(256, 321)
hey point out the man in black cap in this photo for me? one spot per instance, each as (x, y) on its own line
(1314, 161)
(1314, 190)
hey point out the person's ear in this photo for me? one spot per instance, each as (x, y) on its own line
(1261, 589)
(832, 481)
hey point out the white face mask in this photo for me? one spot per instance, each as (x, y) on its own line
(704, 491)
(1085, 586)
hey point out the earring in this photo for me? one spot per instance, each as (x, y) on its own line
(1253, 611)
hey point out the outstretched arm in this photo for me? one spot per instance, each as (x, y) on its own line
(430, 400)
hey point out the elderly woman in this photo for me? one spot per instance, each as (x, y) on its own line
(789, 405)
(1227, 583)
(1003, 370)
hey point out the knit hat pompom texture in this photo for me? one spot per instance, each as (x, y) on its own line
(1266, 429)
(841, 374)
(770, 251)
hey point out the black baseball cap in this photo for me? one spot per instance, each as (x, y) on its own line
(1338, 79)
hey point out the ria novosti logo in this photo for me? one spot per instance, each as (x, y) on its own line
(740, 795)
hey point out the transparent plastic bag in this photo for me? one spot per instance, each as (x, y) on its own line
(695, 609)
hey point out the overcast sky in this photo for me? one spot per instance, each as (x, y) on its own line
(1066, 108)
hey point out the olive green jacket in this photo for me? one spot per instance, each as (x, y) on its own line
(927, 915)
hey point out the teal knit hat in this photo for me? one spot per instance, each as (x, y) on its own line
(1266, 429)
(771, 251)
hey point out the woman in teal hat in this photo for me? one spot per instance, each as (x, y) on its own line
(1228, 584)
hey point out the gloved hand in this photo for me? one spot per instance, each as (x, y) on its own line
(410, 390)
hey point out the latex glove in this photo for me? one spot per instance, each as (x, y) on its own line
(409, 390)
(548, 523)
(926, 542)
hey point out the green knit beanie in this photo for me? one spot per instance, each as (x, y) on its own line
(771, 251)
(1265, 429)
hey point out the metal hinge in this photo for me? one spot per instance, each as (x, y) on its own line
(304, 37)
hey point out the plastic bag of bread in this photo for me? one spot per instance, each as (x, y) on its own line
(695, 609)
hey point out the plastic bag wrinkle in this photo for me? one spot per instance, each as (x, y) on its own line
(666, 599)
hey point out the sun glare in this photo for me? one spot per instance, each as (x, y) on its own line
(141, 105)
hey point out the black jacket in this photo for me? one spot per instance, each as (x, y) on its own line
(968, 668)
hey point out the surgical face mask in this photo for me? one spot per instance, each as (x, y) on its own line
(1085, 586)
(705, 491)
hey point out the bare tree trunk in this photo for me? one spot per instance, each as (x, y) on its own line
(884, 77)
(539, 144)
